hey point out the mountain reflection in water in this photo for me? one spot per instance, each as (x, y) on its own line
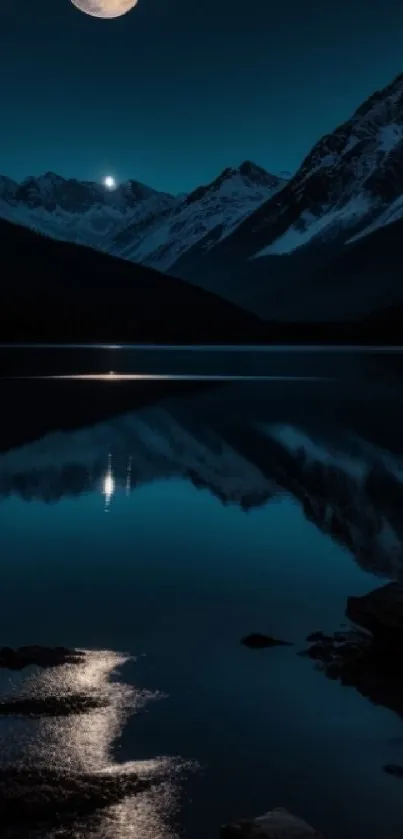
(351, 488)
(172, 529)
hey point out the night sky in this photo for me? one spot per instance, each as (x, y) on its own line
(176, 90)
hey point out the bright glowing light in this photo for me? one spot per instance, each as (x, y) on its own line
(109, 484)
(110, 182)
(108, 487)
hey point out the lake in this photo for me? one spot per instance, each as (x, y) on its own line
(156, 506)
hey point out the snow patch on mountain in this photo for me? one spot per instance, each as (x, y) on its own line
(309, 226)
(391, 214)
(90, 227)
(389, 137)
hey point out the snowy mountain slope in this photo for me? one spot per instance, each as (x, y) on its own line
(351, 183)
(134, 221)
(207, 214)
(77, 211)
(363, 279)
(286, 248)
(392, 213)
(348, 178)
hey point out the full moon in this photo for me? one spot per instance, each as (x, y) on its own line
(105, 8)
(110, 182)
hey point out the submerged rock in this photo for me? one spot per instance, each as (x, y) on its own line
(276, 824)
(394, 769)
(17, 659)
(318, 636)
(52, 706)
(257, 641)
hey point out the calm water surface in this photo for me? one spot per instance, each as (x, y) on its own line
(154, 523)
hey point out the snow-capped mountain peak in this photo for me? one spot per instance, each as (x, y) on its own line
(246, 176)
(206, 215)
(133, 220)
(362, 142)
(345, 181)
(349, 185)
(79, 211)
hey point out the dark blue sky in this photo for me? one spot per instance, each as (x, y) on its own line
(176, 90)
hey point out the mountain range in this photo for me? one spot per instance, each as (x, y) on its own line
(320, 245)
(134, 221)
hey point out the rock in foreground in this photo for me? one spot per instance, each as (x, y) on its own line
(380, 612)
(318, 636)
(394, 769)
(369, 663)
(276, 824)
(17, 659)
(257, 641)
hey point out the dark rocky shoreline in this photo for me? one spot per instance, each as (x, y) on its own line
(20, 657)
(368, 658)
(275, 824)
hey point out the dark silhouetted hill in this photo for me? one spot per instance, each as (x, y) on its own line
(58, 291)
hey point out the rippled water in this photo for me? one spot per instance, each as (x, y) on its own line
(154, 521)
